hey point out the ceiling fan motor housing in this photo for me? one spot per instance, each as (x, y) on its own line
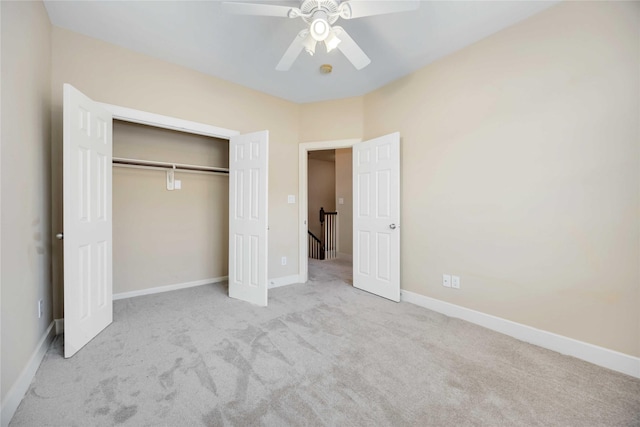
(314, 9)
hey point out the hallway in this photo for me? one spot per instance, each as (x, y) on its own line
(330, 270)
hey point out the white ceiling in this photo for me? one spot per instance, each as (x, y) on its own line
(245, 49)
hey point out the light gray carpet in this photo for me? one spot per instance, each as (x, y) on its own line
(322, 353)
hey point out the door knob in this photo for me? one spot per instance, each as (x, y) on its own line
(392, 226)
(59, 236)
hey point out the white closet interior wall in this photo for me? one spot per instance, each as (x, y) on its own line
(162, 237)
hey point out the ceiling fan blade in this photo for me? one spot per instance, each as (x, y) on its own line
(358, 8)
(351, 50)
(259, 9)
(293, 51)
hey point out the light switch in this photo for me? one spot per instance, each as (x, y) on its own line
(177, 184)
(340, 201)
(291, 198)
(455, 282)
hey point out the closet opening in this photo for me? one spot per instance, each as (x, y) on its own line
(170, 209)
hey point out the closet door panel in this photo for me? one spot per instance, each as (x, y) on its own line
(87, 185)
(248, 195)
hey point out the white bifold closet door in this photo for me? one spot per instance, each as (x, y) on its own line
(248, 202)
(376, 216)
(87, 182)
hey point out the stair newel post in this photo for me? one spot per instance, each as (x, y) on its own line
(323, 233)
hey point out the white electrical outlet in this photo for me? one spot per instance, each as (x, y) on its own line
(284, 260)
(446, 280)
(455, 282)
(40, 308)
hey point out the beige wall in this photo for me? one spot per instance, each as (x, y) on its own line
(520, 166)
(114, 75)
(163, 237)
(322, 191)
(131, 140)
(344, 190)
(25, 273)
(331, 120)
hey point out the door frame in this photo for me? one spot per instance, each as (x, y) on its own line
(166, 122)
(303, 194)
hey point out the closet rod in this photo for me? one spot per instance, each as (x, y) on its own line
(159, 168)
(182, 167)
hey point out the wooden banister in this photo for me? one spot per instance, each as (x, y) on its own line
(316, 248)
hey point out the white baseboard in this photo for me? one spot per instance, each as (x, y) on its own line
(284, 281)
(167, 288)
(20, 387)
(600, 356)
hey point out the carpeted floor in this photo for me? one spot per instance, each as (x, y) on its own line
(322, 353)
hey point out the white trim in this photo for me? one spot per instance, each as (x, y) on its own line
(284, 281)
(329, 145)
(166, 122)
(303, 196)
(600, 356)
(167, 288)
(20, 387)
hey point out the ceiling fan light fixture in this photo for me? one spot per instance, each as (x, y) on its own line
(345, 10)
(332, 41)
(319, 29)
(310, 45)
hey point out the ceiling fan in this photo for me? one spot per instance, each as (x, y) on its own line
(320, 15)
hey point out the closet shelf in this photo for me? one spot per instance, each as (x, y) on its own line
(182, 167)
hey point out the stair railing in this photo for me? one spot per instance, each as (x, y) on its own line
(329, 224)
(316, 248)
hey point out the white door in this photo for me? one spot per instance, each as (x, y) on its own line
(248, 196)
(376, 217)
(87, 152)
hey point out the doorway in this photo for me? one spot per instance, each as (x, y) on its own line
(330, 207)
(305, 149)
